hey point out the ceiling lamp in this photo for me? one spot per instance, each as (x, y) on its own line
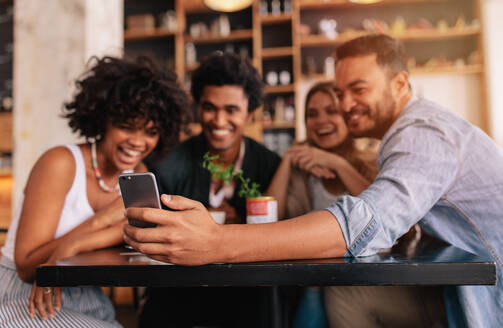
(365, 2)
(227, 5)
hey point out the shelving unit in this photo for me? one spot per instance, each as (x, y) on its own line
(275, 42)
(238, 35)
(132, 35)
(277, 52)
(275, 19)
(324, 4)
(278, 125)
(6, 122)
(270, 89)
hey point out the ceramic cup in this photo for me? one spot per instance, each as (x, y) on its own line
(218, 216)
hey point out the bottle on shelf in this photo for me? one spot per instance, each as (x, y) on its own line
(285, 77)
(275, 7)
(329, 67)
(279, 109)
(190, 54)
(287, 6)
(264, 10)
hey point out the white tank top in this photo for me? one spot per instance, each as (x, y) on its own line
(76, 208)
(323, 198)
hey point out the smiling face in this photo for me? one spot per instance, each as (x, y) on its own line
(324, 122)
(368, 96)
(125, 145)
(223, 111)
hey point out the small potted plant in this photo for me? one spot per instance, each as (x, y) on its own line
(259, 209)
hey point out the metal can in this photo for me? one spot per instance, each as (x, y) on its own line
(261, 210)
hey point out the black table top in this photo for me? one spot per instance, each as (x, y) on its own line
(430, 262)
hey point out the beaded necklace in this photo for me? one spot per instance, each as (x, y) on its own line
(97, 173)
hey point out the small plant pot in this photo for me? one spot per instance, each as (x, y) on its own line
(261, 210)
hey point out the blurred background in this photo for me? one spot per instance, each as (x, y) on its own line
(453, 46)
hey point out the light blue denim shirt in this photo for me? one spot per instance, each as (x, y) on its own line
(447, 175)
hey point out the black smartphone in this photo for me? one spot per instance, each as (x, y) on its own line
(139, 190)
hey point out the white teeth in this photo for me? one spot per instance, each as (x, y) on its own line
(132, 153)
(325, 131)
(355, 117)
(220, 132)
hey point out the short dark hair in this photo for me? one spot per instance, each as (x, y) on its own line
(116, 91)
(225, 68)
(390, 52)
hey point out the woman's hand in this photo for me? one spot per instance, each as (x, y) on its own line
(44, 300)
(313, 160)
(111, 214)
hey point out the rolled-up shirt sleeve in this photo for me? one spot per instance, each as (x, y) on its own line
(418, 164)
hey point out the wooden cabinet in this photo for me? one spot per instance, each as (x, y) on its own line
(6, 60)
(442, 38)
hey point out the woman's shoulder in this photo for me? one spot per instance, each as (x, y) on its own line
(58, 160)
(60, 156)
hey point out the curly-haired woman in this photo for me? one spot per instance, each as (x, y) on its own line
(71, 204)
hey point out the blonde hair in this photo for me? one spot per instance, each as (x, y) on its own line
(326, 87)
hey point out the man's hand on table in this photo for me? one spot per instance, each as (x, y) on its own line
(188, 237)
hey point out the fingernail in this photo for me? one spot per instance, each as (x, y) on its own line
(166, 198)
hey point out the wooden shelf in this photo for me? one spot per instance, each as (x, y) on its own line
(269, 89)
(413, 35)
(6, 132)
(6, 172)
(233, 36)
(467, 69)
(275, 19)
(195, 7)
(433, 34)
(325, 4)
(137, 35)
(317, 77)
(317, 40)
(278, 125)
(6, 184)
(277, 52)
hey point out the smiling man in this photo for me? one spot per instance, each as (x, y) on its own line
(227, 90)
(435, 169)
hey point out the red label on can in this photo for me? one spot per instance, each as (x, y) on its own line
(257, 207)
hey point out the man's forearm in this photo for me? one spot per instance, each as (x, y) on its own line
(314, 235)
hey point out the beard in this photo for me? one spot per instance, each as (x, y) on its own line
(380, 116)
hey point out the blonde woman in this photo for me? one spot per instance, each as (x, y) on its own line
(328, 165)
(312, 175)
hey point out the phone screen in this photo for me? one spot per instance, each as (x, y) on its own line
(139, 190)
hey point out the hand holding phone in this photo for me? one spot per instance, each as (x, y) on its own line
(139, 190)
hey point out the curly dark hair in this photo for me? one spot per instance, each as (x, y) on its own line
(225, 68)
(390, 52)
(116, 91)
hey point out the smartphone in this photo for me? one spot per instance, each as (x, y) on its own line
(139, 190)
